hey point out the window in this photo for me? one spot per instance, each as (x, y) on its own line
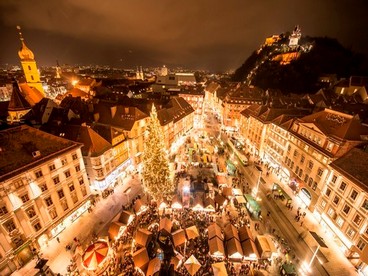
(306, 177)
(292, 165)
(358, 219)
(350, 233)
(29, 68)
(343, 186)
(314, 187)
(63, 161)
(48, 201)
(71, 187)
(64, 204)
(320, 172)
(329, 146)
(56, 180)
(67, 173)
(336, 200)
(43, 187)
(3, 210)
(61, 193)
(302, 159)
(38, 174)
(74, 197)
(365, 204)
(310, 182)
(295, 153)
(75, 156)
(37, 226)
(328, 192)
(361, 245)
(83, 190)
(52, 167)
(24, 198)
(81, 181)
(353, 195)
(331, 212)
(346, 209)
(77, 168)
(334, 178)
(300, 173)
(323, 203)
(289, 148)
(53, 214)
(310, 165)
(32, 78)
(31, 212)
(9, 225)
(340, 221)
(297, 170)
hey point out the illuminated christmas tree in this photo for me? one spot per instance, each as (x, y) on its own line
(155, 171)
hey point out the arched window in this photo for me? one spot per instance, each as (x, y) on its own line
(32, 77)
(29, 67)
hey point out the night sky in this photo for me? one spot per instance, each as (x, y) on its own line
(196, 34)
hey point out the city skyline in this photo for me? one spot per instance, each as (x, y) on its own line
(207, 35)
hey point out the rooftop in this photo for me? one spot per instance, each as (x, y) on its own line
(19, 144)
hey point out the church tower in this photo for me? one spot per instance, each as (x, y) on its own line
(29, 66)
(58, 71)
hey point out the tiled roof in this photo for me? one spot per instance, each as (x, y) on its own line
(18, 143)
(336, 124)
(31, 94)
(17, 101)
(353, 165)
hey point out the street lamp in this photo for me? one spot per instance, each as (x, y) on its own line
(259, 169)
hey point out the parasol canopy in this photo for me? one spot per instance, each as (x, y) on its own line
(95, 254)
(192, 265)
(219, 269)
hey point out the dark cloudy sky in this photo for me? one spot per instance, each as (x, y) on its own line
(196, 34)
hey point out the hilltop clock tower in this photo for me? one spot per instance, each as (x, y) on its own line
(29, 65)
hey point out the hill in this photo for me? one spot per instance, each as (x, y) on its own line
(297, 69)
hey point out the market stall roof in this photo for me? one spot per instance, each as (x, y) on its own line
(176, 260)
(221, 179)
(245, 233)
(249, 249)
(216, 247)
(192, 232)
(95, 255)
(163, 204)
(176, 203)
(237, 192)
(234, 249)
(240, 199)
(220, 199)
(154, 267)
(179, 237)
(139, 206)
(141, 259)
(231, 232)
(115, 229)
(197, 203)
(143, 237)
(192, 265)
(219, 269)
(165, 225)
(209, 204)
(214, 230)
(227, 191)
(126, 217)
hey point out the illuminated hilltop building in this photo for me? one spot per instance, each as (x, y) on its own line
(30, 67)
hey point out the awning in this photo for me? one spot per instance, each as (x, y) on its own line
(143, 237)
(234, 249)
(214, 230)
(216, 247)
(179, 237)
(154, 266)
(140, 258)
(231, 232)
(165, 225)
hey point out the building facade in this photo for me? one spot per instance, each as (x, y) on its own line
(43, 188)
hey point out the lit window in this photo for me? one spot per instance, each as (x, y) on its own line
(53, 214)
(323, 203)
(64, 204)
(342, 186)
(358, 219)
(353, 195)
(361, 245)
(339, 221)
(350, 233)
(38, 174)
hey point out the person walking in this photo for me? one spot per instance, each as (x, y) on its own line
(58, 239)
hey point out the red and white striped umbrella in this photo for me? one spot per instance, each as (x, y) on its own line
(95, 254)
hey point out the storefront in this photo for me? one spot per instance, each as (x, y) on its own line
(305, 196)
